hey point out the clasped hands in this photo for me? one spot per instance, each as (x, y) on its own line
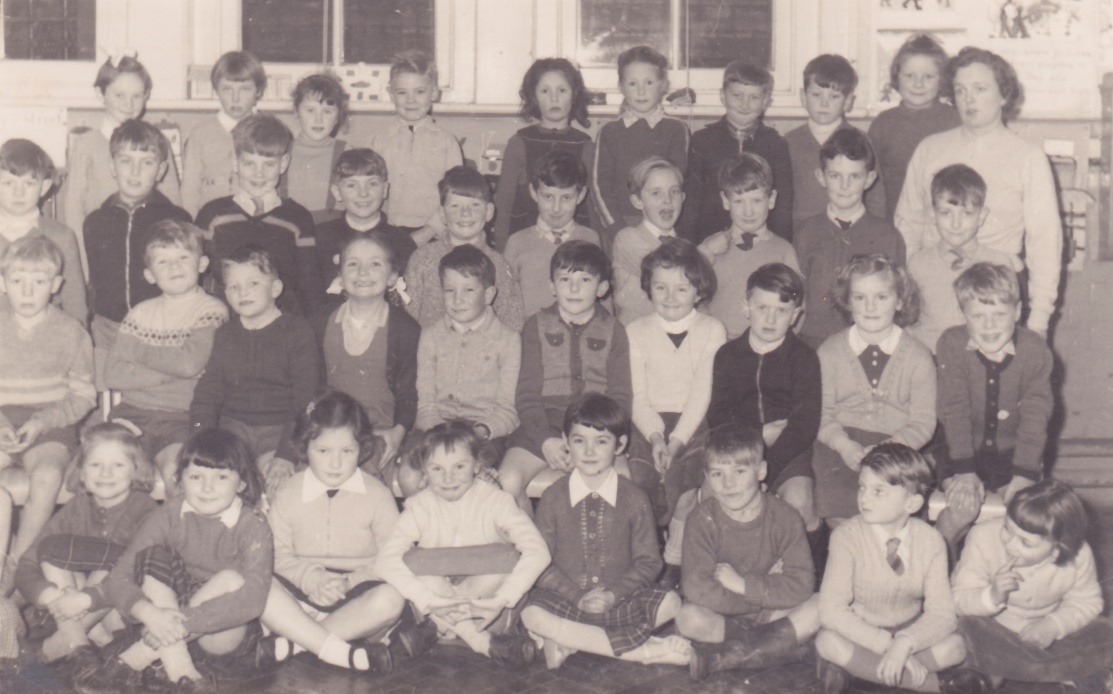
(483, 611)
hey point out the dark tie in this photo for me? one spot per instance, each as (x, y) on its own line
(559, 236)
(747, 241)
(665, 238)
(843, 224)
(332, 494)
(959, 260)
(677, 338)
(891, 555)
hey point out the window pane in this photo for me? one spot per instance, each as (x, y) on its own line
(50, 29)
(286, 31)
(374, 30)
(608, 27)
(724, 30)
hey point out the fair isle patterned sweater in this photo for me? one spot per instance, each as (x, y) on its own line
(163, 346)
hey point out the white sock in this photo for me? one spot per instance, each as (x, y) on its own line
(334, 651)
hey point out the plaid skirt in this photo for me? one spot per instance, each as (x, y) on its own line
(79, 554)
(628, 624)
(166, 566)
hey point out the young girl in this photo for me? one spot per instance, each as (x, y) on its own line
(553, 94)
(63, 570)
(329, 522)
(915, 74)
(124, 87)
(878, 381)
(1028, 597)
(321, 105)
(672, 352)
(370, 344)
(198, 568)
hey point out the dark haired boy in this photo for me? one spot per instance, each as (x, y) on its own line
(256, 214)
(747, 91)
(828, 95)
(557, 185)
(846, 228)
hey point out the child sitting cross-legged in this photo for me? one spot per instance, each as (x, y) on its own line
(1028, 595)
(748, 578)
(885, 604)
(598, 596)
(329, 523)
(454, 511)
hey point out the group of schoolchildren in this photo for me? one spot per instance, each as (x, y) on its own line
(277, 370)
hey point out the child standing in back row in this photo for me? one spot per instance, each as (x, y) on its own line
(321, 105)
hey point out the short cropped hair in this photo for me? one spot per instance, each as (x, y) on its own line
(528, 92)
(640, 172)
(989, 284)
(361, 161)
(779, 279)
(580, 256)
(917, 44)
(109, 71)
(742, 72)
(173, 233)
(599, 412)
(908, 293)
(263, 135)
(735, 444)
(900, 465)
(250, 254)
(469, 261)
(560, 169)
(682, 254)
(465, 181)
(218, 449)
(831, 71)
(239, 66)
(851, 143)
(958, 184)
(21, 157)
(745, 172)
(643, 54)
(447, 435)
(413, 62)
(32, 251)
(139, 135)
(1052, 510)
(1012, 91)
(326, 88)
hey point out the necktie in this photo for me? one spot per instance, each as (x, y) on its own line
(665, 238)
(891, 555)
(747, 241)
(843, 224)
(332, 494)
(559, 236)
(259, 209)
(959, 259)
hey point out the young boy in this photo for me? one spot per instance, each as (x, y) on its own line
(825, 242)
(456, 511)
(558, 184)
(747, 194)
(829, 84)
(643, 130)
(748, 577)
(569, 348)
(958, 199)
(361, 186)
(657, 191)
(46, 385)
(164, 344)
(255, 214)
(994, 400)
(417, 151)
(26, 176)
(468, 361)
(117, 233)
(885, 604)
(598, 596)
(209, 160)
(465, 210)
(746, 94)
(264, 369)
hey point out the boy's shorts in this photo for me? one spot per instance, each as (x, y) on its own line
(18, 415)
(161, 428)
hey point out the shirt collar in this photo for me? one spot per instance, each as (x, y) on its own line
(1009, 348)
(763, 348)
(883, 537)
(227, 122)
(229, 516)
(853, 217)
(15, 228)
(888, 345)
(270, 201)
(678, 326)
(651, 119)
(363, 225)
(311, 487)
(655, 230)
(400, 124)
(759, 236)
(107, 127)
(548, 233)
(578, 489)
(479, 326)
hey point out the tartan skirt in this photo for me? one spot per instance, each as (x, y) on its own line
(628, 624)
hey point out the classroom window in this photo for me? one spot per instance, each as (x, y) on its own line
(337, 31)
(49, 29)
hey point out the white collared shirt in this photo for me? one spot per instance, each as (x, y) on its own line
(853, 217)
(578, 489)
(15, 228)
(227, 122)
(651, 119)
(888, 345)
(902, 549)
(247, 203)
(477, 325)
(678, 326)
(1009, 348)
(550, 234)
(229, 516)
(311, 487)
(107, 127)
(657, 231)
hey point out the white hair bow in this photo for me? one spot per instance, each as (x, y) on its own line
(114, 54)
